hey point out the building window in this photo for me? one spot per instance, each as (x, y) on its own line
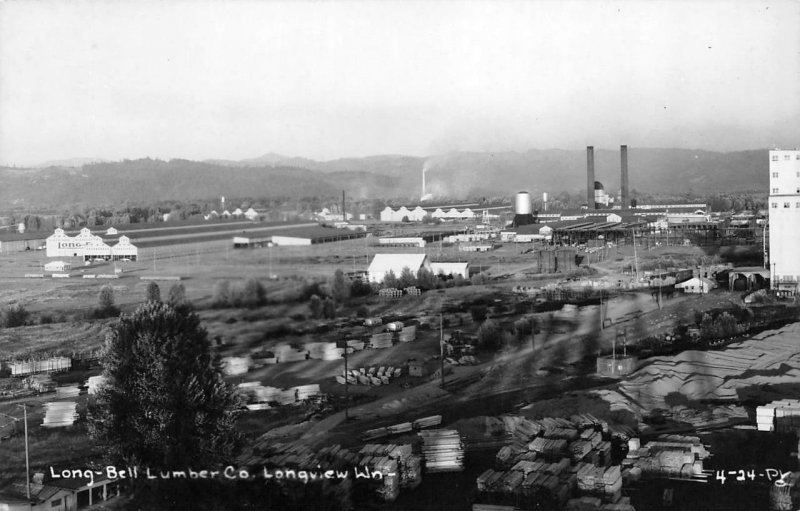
(774, 204)
(774, 174)
(55, 503)
(774, 157)
(774, 190)
(787, 157)
(785, 204)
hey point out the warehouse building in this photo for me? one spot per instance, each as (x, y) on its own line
(57, 266)
(297, 237)
(384, 263)
(89, 246)
(697, 285)
(450, 269)
(784, 218)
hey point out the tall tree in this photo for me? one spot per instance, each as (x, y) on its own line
(177, 295)
(153, 292)
(340, 286)
(105, 301)
(165, 405)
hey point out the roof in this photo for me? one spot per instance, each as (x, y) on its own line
(383, 263)
(696, 280)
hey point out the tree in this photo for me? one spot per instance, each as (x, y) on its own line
(153, 292)
(426, 279)
(407, 278)
(105, 299)
(328, 308)
(165, 405)
(340, 287)
(315, 306)
(176, 296)
(222, 294)
(490, 336)
(390, 280)
(15, 316)
(253, 294)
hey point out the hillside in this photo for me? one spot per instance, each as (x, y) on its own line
(456, 175)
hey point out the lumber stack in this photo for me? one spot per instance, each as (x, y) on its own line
(408, 334)
(95, 383)
(428, 422)
(60, 414)
(235, 366)
(67, 391)
(786, 415)
(324, 351)
(380, 341)
(670, 456)
(442, 450)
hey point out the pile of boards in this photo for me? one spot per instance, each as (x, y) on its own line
(60, 414)
(404, 427)
(674, 456)
(261, 397)
(235, 366)
(783, 415)
(67, 391)
(443, 450)
(95, 383)
(371, 376)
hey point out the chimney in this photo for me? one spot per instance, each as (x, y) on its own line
(344, 215)
(423, 181)
(626, 201)
(590, 177)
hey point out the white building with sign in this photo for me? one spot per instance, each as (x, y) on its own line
(88, 246)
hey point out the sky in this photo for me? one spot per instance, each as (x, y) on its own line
(331, 79)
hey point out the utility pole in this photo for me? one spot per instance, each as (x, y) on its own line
(27, 460)
(346, 383)
(441, 345)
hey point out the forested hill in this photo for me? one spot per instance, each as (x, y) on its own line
(455, 175)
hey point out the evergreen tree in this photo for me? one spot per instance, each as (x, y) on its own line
(165, 406)
(177, 295)
(253, 293)
(105, 300)
(407, 278)
(153, 292)
(390, 280)
(222, 294)
(315, 306)
(340, 287)
(426, 279)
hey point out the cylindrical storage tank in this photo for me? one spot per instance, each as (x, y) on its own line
(523, 203)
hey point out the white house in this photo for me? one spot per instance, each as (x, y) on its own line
(57, 266)
(88, 246)
(124, 250)
(238, 213)
(384, 263)
(111, 231)
(251, 214)
(439, 213)
(697, 285)
(451, 269)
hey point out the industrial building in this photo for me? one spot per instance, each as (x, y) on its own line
(784, 219)
(451, 269)
(298, 236)
(89, 246)
(697, 285)
(384, 263)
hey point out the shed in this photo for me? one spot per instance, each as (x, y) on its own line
(57, 266)
(699, 285)
(451, 269)
(384, 263)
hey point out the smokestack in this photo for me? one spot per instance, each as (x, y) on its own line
(344, 215)
(626, 201)
(590, 176)
(423, 182)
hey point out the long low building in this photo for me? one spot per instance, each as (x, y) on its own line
(299, 236)
(382, 264)
(89, 246)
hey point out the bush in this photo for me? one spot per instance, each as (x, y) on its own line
(362, 312)
(478, 312)
(315, 306)
(222, 294)
(360, 288)
(490, 336)
(15, 316)
(105, 299)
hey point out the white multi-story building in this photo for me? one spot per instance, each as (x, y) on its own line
(784, 220)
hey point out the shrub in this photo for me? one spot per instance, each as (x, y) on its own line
(15, 316)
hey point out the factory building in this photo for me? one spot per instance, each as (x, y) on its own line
(88, 246)
(384, 263)
(451, 269)
(784, 219)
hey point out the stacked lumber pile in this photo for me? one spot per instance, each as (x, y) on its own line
(530, 481)
(285, 353)
(587, 503)
(67, 391)
(602, 482)
(380, 341)
(60, 414)
(95, 383)
(355, 344)
(548, 447)
(408, 334)
(324, 351)
(235, 366)
(443, 450)
(257, 394)
(786, 415)
(371, 376)
(670, 456)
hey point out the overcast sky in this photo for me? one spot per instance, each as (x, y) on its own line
(323, 80)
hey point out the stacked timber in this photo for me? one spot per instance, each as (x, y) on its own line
(60, 414)
(67, 391)
(235, 366)
(324, 351)
(355, 344)
(443, 450)
(303, 392)
(380, 341)
(786, 415)
(671, 456)
(547, 447)
(602, 482)
(427, 422)
(408, 334)
(95, 383)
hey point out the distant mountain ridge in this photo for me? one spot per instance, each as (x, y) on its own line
(455, 175)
